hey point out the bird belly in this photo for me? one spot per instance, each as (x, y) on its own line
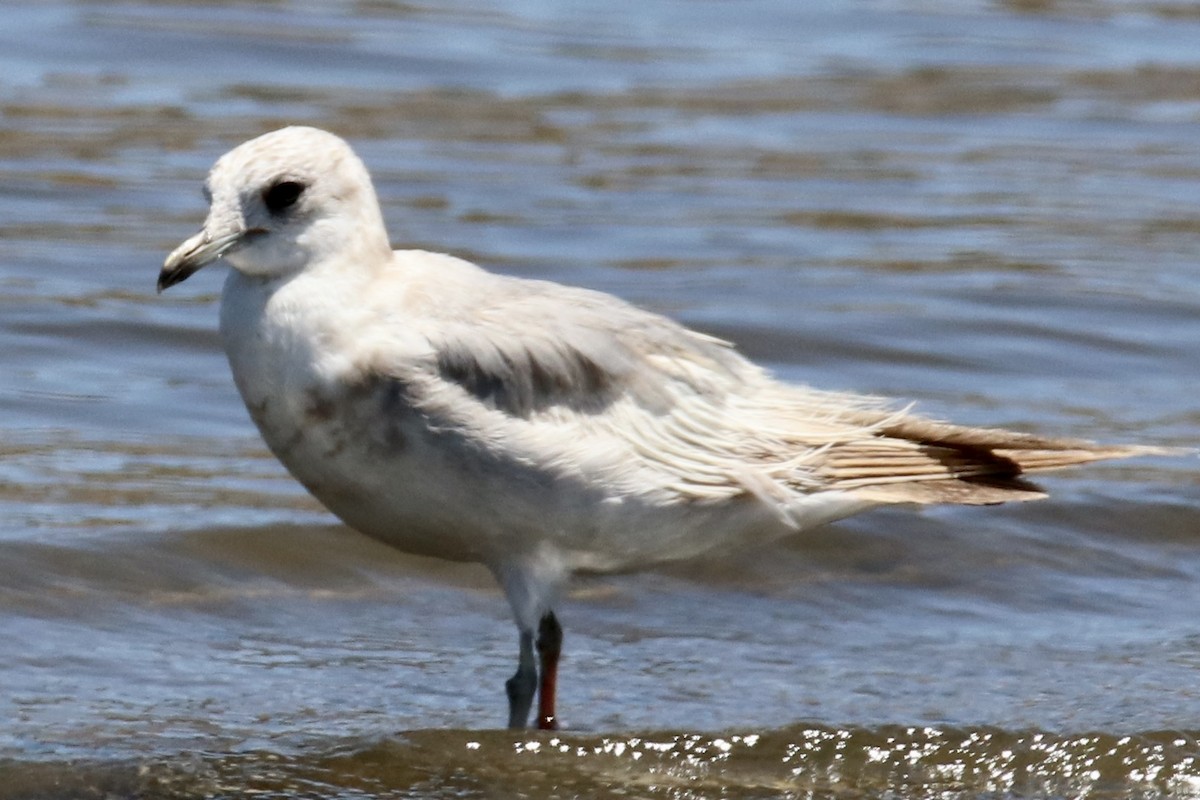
(438, 493)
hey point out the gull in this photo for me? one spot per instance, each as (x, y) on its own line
(538, 429)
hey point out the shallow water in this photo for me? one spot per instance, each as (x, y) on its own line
(988, 208)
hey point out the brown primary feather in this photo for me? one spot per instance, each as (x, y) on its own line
(915, 460)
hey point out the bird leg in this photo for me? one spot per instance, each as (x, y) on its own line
(523, 684)
(549, 646)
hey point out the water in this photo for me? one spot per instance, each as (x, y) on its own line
(989, 208)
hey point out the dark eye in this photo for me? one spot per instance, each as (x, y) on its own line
(282, 195)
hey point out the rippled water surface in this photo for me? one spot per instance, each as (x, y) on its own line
(992, 209)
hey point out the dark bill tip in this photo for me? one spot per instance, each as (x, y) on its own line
(177, 274)
(193, 254)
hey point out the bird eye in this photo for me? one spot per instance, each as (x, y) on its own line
(282, 195)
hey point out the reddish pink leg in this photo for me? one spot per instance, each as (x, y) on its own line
(549, 646)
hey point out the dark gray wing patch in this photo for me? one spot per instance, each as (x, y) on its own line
(521, 383)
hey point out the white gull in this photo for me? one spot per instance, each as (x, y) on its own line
(539, 429)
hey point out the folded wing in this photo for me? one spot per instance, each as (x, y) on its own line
(574, 371)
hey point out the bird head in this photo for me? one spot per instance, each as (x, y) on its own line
(281, 203)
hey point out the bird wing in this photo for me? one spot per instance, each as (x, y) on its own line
(576, 379)
(572, 377)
